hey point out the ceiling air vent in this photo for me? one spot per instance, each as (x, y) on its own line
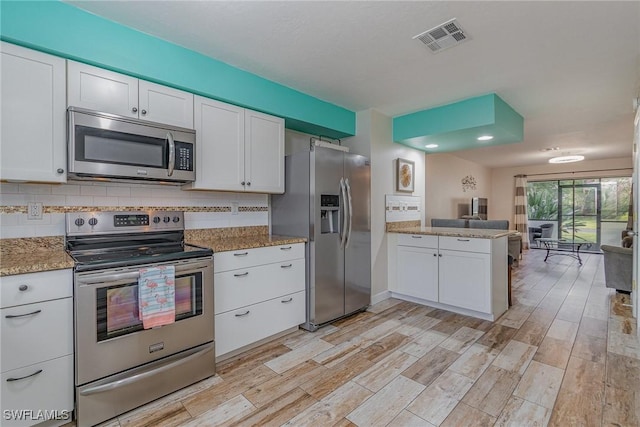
(443, 36)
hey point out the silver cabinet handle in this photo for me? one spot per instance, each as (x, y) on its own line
(285, 248)
(242, 183)
(243, 314)
(134, 110)
(286, 266)
(23, 287)
(172, 154)
(285, 301)
(143, 112)
(246, 273)
(248, 183)
(39, 371)
(13, 316)
(60, 170)
(464, 240)
(416, 237)
(241, 254)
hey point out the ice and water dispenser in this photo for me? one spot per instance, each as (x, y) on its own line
(329, 213)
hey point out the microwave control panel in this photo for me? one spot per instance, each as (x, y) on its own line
(184, 156)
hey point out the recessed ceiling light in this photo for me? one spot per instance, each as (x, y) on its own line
(431, 146)
(485, 138)
(566, 159)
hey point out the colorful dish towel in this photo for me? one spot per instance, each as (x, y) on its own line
(156, 296)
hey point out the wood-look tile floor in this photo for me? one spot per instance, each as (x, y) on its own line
(565, 354)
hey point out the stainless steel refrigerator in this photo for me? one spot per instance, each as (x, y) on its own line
(327, 200)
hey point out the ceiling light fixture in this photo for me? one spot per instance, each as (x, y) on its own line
(550, 149)
(485, 138)
(566, 159)
(431, 146)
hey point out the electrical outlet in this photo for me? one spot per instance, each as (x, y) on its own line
(34, 210)
(234, 208)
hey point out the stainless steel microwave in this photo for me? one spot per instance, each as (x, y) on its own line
(105, 146)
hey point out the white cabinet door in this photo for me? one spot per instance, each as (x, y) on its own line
(166, 105)
(101, 90)
(465, 280)
(219, 146)
(418, 272)
(264, 153)
(33, 116)
(39, 387)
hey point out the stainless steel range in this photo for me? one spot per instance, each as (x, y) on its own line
(119, 365)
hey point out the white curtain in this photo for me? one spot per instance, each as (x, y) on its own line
(521, 219)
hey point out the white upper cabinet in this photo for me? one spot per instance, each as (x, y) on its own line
(237, 149)
(33, 116)
(101, 90)
(264, 153)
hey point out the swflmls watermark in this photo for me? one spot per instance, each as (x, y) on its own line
(36, 415)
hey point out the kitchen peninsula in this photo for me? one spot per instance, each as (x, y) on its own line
(457, 269)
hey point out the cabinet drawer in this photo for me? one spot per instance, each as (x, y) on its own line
(466, 244)
(238, 328)
(43, 286)
(419, 240)
(51, 389)
(42, 331)
(239, 288)
(233, 260)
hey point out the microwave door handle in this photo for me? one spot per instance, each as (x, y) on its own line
(172, 154)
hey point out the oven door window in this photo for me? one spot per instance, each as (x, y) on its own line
(117, 306)
(108, 146)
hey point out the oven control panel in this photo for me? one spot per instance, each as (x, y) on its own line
(82, 223)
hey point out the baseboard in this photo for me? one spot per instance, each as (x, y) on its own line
(380, 297)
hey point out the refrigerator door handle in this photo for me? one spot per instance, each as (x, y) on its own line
(348, 232)
(343, 211)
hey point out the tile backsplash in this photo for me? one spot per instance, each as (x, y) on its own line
(203, 209)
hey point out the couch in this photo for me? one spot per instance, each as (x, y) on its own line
(618, 265)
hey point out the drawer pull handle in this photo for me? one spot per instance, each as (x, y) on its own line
(23, 288)
(13, 316)
(464, 240)
(285, 248)
(285, 301)
(246, 273)
(286, 266)
(416, 237)
(241, 254)
(26, 376)
(243, 314)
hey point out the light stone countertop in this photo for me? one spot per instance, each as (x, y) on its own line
(32, 255)
(223, 244)
(477, 233)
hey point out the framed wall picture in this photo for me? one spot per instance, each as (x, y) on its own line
(405, 175)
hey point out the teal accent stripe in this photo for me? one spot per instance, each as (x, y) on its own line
(70, 32)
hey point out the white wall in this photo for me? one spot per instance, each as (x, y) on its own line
(445, 196)
(204, 209)
(374, 140)
(501, 202)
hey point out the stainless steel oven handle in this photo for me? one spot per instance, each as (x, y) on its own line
(138, 377)
(172, 154)
(116, 277)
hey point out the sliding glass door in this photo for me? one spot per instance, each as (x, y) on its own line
(589, 210)
(580, 212)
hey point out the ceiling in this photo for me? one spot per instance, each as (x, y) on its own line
(571, 69)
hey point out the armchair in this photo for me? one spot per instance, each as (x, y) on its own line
(618, 264)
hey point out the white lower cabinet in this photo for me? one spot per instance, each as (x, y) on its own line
(467, 275)
(258, 293)
(36, 326)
